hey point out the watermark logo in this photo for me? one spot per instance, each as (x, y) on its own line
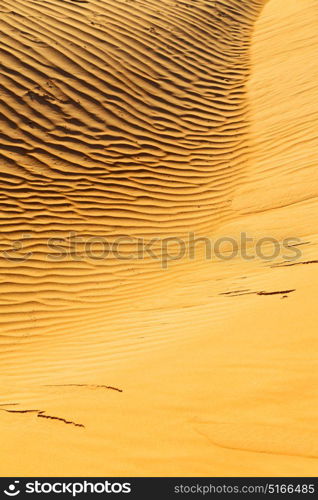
(68, 488)
(77, 247)
(12, 490)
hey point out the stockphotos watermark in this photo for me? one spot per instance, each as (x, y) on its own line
(63, 487)
(76, 247)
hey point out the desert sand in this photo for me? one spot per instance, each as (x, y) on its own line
(147, 118)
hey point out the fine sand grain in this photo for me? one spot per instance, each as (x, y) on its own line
(152, 119)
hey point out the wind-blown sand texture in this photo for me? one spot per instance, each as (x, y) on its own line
(153, 118)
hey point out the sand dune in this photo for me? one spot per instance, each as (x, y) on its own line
(146, 119)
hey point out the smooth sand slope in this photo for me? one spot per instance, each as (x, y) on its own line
(156, 119)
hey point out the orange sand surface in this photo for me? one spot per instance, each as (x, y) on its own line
(148, 118)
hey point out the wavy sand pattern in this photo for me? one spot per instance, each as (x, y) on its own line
(153, 119)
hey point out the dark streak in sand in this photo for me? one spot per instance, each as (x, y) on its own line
(110, 387)
(41, 414)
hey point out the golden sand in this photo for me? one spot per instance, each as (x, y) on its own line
(155, 119)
